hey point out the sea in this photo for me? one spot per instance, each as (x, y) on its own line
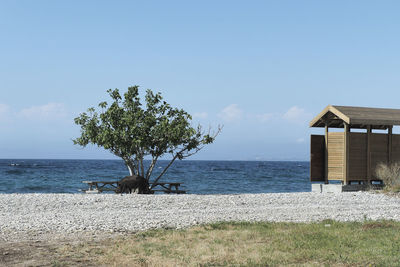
(198, 177)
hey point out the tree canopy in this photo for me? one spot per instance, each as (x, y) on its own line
(132, 131)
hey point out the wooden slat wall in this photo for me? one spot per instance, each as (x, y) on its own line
(317, 169)
(335, 156)
(379, 151)
(395, 148)
(358, 156)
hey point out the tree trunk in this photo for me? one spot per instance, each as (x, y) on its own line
(150, 169)
(141, 166)
(131, 167)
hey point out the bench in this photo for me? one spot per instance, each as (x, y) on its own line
(101, 186)
(167, 188)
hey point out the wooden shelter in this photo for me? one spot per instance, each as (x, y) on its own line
(353, 156)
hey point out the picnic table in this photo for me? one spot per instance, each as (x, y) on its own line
(100, 186)
(166, 187)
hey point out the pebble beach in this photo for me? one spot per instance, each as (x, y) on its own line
(52, 216)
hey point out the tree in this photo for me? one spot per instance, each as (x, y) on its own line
(132, 132)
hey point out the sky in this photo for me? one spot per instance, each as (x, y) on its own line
(262, 69)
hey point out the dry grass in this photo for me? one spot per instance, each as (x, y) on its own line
(245, 244)
(390, 175)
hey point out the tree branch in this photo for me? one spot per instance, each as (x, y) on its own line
(152, 165)
(141, 164)
(165, 169)
(137, 165)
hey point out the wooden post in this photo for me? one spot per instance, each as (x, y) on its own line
(346, 153)
(369, 134)
(326, 152)
(390, 136)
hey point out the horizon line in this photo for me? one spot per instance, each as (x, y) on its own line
(277, 160)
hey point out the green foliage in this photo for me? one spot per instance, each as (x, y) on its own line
(133, 132)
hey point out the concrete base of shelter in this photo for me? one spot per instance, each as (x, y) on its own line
(338, 188)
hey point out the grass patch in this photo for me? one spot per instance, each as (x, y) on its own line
(326, 243)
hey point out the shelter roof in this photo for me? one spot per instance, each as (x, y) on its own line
(357, 117)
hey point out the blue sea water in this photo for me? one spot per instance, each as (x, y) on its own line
(198, 177)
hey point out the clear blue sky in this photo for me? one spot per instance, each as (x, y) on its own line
(263, 69)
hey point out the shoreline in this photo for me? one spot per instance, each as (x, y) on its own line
(30, 217)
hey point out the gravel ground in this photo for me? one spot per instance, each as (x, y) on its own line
(48, 216)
